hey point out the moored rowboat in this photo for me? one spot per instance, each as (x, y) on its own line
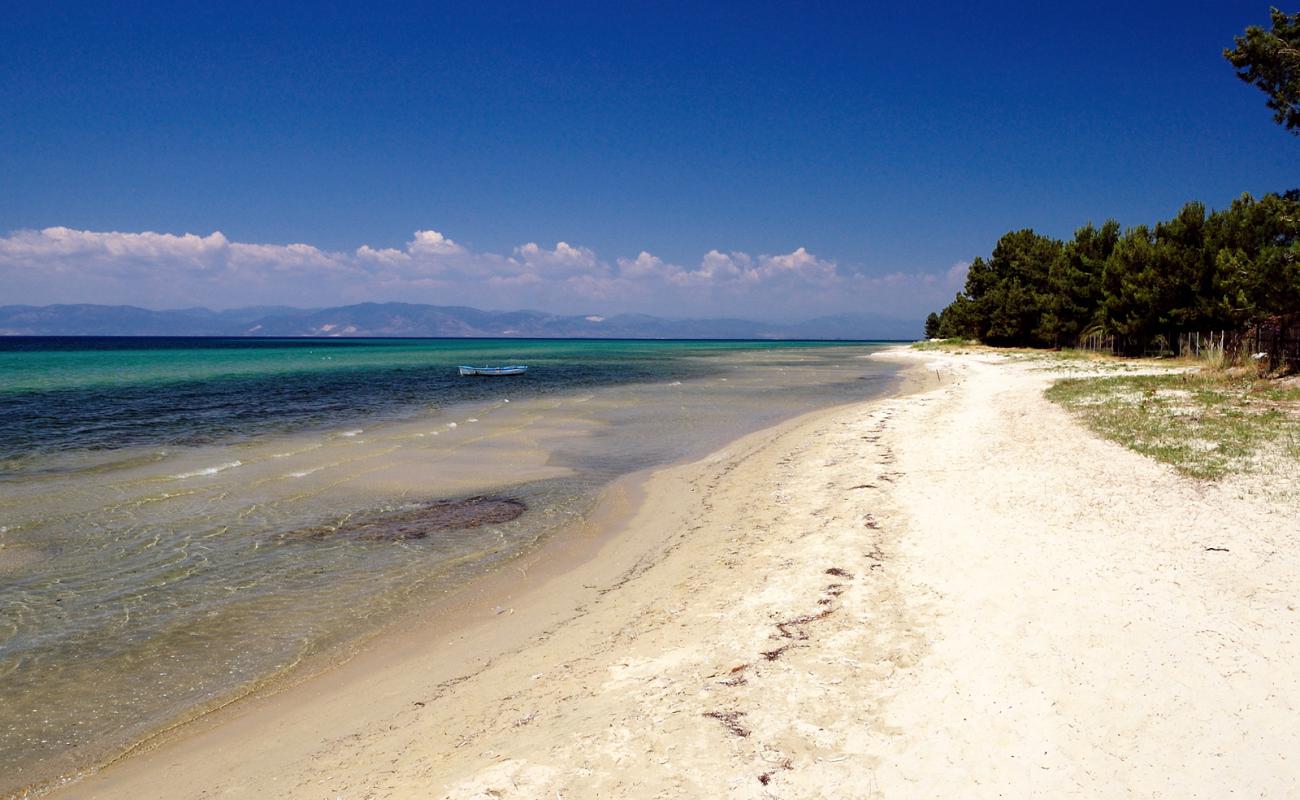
(513, 369)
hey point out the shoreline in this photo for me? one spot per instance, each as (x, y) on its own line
(957, 591)
(561, 448)
(478, 617)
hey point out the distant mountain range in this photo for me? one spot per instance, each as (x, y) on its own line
(408, 319)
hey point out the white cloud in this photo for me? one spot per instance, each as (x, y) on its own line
(160, 269)
(432, 243)
(385, 255)
(66, 246)
(562, 260)
(955, 277)
(719, 267)
(643, 266)
(291, 258)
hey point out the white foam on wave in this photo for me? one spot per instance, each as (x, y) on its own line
(472, 419)
(451, 424)
(209, 471)
(305, 472)
(296, 452)
(352, 433)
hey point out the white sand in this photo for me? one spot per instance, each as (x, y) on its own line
(1031, 612)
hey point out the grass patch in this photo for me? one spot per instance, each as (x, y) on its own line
(941, 344)
(1069, 354)
(1205, 424)
(1064, 358)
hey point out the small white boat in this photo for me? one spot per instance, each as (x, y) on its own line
(493, 372)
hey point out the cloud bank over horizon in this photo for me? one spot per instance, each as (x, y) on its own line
(163, 270)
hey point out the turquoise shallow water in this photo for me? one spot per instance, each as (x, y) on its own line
(181, 519)
(58, 394)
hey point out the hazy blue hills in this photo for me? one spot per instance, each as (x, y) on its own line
(409, 319)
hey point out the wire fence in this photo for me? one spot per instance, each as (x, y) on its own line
(1273, 342)
(1276, 339)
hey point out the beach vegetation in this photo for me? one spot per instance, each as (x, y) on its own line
(1204, 423)
(940, 344)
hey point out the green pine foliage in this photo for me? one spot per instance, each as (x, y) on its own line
(1270, 59)
(1145, 285)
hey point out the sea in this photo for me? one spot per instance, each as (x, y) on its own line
(183, 521)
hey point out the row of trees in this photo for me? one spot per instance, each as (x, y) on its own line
(1196, 272)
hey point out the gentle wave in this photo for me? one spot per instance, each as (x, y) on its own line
(299, 451)
(209, 471)
(305, 472)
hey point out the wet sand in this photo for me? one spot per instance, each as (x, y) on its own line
(953, 592)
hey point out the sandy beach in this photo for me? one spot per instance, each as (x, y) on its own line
(955, 592)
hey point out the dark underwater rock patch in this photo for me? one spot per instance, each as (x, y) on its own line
(418, 523)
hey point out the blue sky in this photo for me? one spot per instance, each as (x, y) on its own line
(768, 160)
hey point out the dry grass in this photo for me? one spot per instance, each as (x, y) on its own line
(1065, 357)
(950, 345)
(1206, 424)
